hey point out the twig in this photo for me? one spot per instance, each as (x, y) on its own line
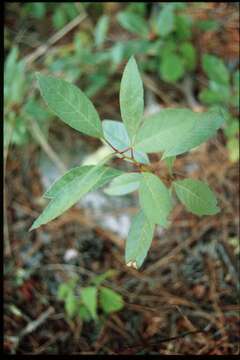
(55, 38)
(149, 83)
(33, 325)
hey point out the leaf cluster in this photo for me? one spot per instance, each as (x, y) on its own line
(171, 132)
(86, 302)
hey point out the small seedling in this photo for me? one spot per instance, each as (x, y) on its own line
(223, 90)
(171, 132)
(84, 302)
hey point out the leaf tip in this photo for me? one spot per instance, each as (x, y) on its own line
(32, 228)
(35, 225)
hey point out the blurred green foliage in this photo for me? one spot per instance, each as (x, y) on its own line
(86, 302)
(18, 105)
(223, 90)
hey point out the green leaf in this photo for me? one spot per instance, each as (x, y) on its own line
(233, 149)
(115, 132)
(79, 172)
(205, 126)
(139, 240)
(70, 104)
(196, 196)
(188, 52)
(109, 300)
(70, 194)
(232, 127)
(14, 79)
(89, 299)
(124, 184)
(215, 69)
(139, 156)
(154, 199)
(133, 23)
(84, 313)
(176, 131)
(219, 94)
(71, 305)
(59, 18)
(165, 21)
(101, 30)
(164, 129)
(97, 280)
(236, 80)
(131, 98)
(183, 24)
(208, 25)
(171, 67)
(63, 290)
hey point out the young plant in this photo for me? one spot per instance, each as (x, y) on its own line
(166, 35)
(171, 132)
(84, 302)
(18, 106)
(223, 89)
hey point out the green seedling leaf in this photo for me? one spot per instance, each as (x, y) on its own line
(124, 184)
(139, 240)
(216, 94)
(131, 98)
(84, 313)
(71, 193)
(97, 280)
(89, 299)
(79, 172)
(189, 55)
(196, 196)
(71, 305)
(133, 22)
(183, 26)
(215, 69)
(101, 30)
(70, 104)
(154, 199)
(208, 25)
(116, 134)
(63, 291)
(109, 300)
(171, 67)
(165, 21)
